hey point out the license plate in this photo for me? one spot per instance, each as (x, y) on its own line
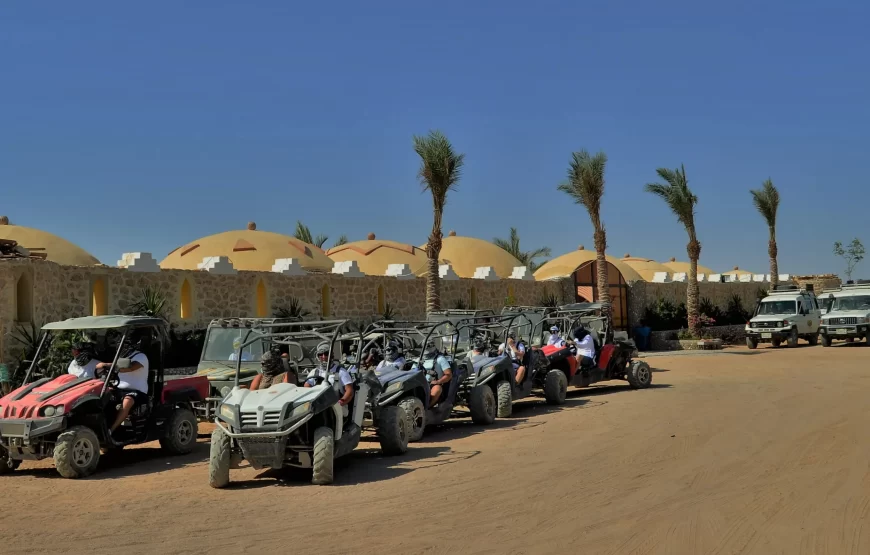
(12, 429)
(766, 336)
(842, 332)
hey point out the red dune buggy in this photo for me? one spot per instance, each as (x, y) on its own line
(68, 417)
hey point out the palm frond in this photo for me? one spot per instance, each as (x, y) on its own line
(512, 246)
(342, 240)
(586, 180)
(320, 240)
(766, 201)
(676, 194)
(303, 233)
(440, 166)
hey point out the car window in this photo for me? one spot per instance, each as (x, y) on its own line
(777, 307)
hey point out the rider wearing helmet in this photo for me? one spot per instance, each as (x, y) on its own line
(479, 345)
(84, 362)
(274, 369)
(585, 345)
(132, 381)
(393, 356)
(332, 372)
(438, 372)
(517, 351)
(555, 338)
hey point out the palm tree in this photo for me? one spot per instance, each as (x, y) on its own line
(440, 170)
(304, 234)
(766, 201)
(586, 186)
(526, 258)
(342, 240)
(681, 201)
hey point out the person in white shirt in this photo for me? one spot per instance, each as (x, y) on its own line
(332, 372)
(585, 345)
(517, 351)
(555, 338)
(132, 381)
(393, 356)
(84, 362)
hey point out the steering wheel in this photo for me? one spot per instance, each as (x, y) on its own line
(114, 379)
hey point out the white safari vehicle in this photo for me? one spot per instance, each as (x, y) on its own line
(848, 318)
(786, 314)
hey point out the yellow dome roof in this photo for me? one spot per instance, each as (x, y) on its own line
(248, 249)
(646, 267)
(373, 256)
(736, 272)
(55, 248)
(466, 254)
(683, 267)
(568, 263)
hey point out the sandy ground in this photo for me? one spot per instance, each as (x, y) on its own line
(752, 452)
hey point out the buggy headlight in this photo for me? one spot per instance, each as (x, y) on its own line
(48, 411)
(228, 412)
(225, 390)
(393, 387)
(301, 410)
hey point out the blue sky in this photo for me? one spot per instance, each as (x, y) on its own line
(142, 127)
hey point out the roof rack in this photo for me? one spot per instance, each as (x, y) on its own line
(861, 283)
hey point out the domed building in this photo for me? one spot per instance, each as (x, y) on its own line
(374, 256)
(737, 272)
(646, 267)
(581, 266)
(54, 248)
(248, 249)
(676, 267)
(466, 254)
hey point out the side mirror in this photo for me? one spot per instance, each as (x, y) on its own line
(123, 363)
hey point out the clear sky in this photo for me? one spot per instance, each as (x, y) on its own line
(142, 126)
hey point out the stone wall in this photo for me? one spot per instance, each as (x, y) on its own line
(643, 294)
(819, 282)
(60, 292)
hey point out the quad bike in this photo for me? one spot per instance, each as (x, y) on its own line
(289, 425)
(613, 357)
(217, 361)
(67, 418)
(409, 387)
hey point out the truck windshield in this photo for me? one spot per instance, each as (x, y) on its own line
(777, 307)
(852, 303)
(219, 344)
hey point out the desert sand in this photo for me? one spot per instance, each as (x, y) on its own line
(752, 452)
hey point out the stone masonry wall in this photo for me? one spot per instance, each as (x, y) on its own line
(60, 292)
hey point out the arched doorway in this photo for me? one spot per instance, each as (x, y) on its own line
(24, 298)
(262, 300)
(325, 308)
(99, 296)
(186, 312)
(586, 290)
(382, 303)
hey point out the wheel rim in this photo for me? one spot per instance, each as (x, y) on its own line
(83, 452)
(490, 404)
(418, 417)
(184, 432)
(403, 431)
(643, 373)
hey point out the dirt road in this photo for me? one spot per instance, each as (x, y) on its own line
(761, 452)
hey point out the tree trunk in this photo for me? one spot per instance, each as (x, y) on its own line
(433, 251)
(601, 278)
(772, 251)
(692, 304)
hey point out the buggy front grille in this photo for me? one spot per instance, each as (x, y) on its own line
(270, 418)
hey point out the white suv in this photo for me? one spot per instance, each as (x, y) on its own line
(849, 315)
(785, 314)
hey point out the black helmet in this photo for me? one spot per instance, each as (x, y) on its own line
(84, 351)
(134, 342)
(393, 350)
(271, 362)
(580, 333)
(479, 343)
